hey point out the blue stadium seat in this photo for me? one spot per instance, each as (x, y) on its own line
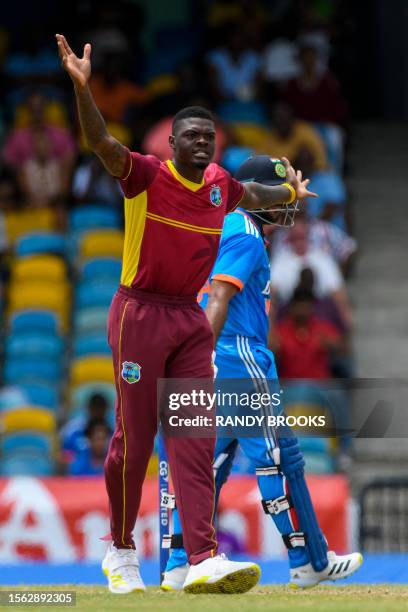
(12, 397)
(41, 395)
(234, 156)
(93, 216)
(34, 320)
(34, 344)
(26, 441)
(101, 268)
(89, 320)
(96, 293)
(17, 371)
(27, 464)
(93, 343)
(41, 242)
(235, 111)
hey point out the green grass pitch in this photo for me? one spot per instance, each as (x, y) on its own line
(354, 598)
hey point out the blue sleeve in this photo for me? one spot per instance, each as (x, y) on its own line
(239, 255)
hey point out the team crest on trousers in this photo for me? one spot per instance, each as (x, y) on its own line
(131, 372)
(215, 195)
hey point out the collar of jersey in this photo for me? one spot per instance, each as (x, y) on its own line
(188, 184)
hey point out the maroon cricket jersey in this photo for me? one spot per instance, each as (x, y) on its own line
(173, 225)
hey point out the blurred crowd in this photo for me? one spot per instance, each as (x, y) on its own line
(276, 75)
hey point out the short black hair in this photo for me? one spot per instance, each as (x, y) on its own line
(93, 424)
(302, 294)
(190, 112)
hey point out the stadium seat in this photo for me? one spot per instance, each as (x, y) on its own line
(234, 111)
(12, 397)
(91, 369)
(34, 320)
(234, 156)
(95, 343)
(19, 223)
(94, 293)
(80, 395)
(41, 242)
(50, 268)
(102, 243)
(28, 417)
(90, 320)
(44, 395)
(27, 464)
(46, 296)
(23, 370)
(93, 216)
(25, 441)
(33, 344)
(101, 268)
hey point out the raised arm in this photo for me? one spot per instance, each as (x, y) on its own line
(111, 152)
(265, 196)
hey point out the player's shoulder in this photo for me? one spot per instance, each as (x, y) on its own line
(239, 222)
(215, 172)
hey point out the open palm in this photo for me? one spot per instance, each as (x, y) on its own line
(79, 69)
(298, 183)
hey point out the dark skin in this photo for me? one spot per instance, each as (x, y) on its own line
(193, 141)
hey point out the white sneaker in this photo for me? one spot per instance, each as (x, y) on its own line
(173, 580)
(219, 575)
(340, 566)
(121, 566)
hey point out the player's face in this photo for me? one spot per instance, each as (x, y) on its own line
(194, 142)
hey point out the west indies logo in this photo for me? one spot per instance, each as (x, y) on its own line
(215, 195)
(131, 372)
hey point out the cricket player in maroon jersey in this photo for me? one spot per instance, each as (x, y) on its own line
(174, 214)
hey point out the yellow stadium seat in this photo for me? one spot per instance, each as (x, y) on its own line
(91, 369)
(250, 135)
(28, 417)
(102, 243)
(48, 268)
(27, 221)
(41, 295)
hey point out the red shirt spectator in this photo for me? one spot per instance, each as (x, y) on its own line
(305, 341)
(313, 95)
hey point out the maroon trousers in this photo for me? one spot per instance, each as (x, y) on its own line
(154, 336)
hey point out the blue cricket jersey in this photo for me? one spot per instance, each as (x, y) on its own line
(242, 260)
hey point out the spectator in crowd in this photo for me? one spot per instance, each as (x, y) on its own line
(331, 205)
(91, 183)
(22, 143)
(42, 178)
(90, 458)
(304, 341)
(114, 94)
(287, 264)
(315, 95)
(234, 69)
(286, 136)
(324, 308)
(72, 434)
(322, 236)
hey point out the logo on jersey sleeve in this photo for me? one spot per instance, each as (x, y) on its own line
(215, 195)
(131, 372)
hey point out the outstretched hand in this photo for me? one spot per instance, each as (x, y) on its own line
(299, 184)
(79, 69)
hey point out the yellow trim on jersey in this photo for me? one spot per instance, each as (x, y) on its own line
(135, 220)
(189, 184)
(123, 424)
(182, 225)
